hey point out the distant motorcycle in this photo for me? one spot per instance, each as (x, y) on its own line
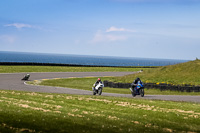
(26, 77)
(138, 90)
(98, 89)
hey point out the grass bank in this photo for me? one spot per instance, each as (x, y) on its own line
(39, 112)
(17, 69)
(183, 73)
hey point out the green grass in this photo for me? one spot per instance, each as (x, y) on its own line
(183, 73)
(40, 112)
(18, 69)
(87, 83)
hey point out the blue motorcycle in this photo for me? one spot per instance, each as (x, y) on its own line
(138, 90)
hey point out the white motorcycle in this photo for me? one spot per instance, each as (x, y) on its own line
(98, 89)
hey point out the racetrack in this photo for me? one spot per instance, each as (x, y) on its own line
(12, 81)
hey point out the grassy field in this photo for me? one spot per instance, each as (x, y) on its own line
(183, 73)
(17, 69)
(39, 112)
(87, 83)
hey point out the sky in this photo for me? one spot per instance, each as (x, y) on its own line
(165, 29)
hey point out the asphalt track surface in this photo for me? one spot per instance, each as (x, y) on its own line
(12, 81)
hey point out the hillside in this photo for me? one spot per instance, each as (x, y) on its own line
(183, 73)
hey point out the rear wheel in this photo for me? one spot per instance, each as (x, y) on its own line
(100, 91)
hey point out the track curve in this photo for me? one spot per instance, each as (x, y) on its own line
(12, 81)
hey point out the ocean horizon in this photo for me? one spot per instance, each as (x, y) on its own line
(91, 60)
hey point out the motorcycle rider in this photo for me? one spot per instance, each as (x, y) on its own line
(26, 77)
(97, 82)
(134, 83)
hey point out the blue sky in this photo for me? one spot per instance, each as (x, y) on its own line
(167, 29)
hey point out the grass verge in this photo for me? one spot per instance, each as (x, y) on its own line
(39, 112)
(17, 69)
(87, 83)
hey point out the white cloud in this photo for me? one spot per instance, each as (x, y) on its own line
(113, 29)
(116, 37)
(103, 37)
(112, 34)
(8, 38)
(19, 25)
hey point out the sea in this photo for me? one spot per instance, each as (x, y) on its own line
(69, 59)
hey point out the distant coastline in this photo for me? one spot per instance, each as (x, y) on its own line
(72, 65)
(22, 58)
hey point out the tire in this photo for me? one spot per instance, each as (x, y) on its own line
(142, 92)
(133, 93)
(100, 91)
(94, 93)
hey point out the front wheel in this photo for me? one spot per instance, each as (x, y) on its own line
(94, 93)
(133, 93)
(142, 92)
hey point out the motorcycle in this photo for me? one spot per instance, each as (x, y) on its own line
(138, 90)
(98, 89)
(26, 77)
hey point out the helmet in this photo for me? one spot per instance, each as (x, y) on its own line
(138, 79)
(99, 79)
